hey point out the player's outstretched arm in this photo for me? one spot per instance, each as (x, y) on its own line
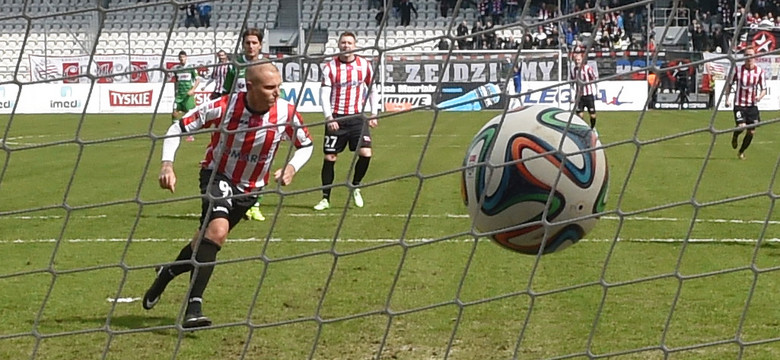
(167, 176)
(284, 176)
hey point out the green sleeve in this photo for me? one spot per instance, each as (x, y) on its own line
(227, 86)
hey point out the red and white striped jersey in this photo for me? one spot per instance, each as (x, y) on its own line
(218, 74)
(245, 142)
(584, 74)
(747, 83)
(349, 83)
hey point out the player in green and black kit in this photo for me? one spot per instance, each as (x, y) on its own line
(187, 81)
(235, 81)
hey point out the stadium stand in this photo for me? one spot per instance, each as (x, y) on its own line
(156, 27)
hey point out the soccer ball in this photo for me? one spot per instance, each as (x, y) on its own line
(530, 164)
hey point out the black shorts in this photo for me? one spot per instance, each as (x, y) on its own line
(746, 114)
(223, 205)
(353, 129)
(586, 101)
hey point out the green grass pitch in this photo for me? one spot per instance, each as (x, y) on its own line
(82, 221)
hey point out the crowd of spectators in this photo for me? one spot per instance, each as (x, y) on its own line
(629, 28)
(197, 15)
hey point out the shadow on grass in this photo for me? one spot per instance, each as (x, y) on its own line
(160, 325)
(714, 158)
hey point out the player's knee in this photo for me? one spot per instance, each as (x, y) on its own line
(331, 157)
(365, 152)
(217, 230)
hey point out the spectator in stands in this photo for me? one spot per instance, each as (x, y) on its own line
(545, 12)
(205, 14)
(477, 40)
(490, 36)
(629, 23)
(375, 4)
(720, 42)
(509, 43)
(704, 19)
(483, 8)
(549, 42)
(588, 18)
(191, 12)
(497, 11)
(568, 34)
(511, 10)
(397, 9)
(699, 38)
(738, 15)
(444, 7)
(407, 8)
(380, 15)
(528, 42)
(462, 31)
(443, 44)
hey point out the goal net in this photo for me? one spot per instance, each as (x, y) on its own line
(683, 263)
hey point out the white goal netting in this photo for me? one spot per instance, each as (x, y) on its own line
(683, 263)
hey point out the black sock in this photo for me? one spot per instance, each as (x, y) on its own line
(592, 122)
(176, 270)
(746, 142)
(207, 252)
(361, 167)
(327, 175)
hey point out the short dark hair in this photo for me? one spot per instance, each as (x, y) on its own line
(348, 33)
(252, 32)
(182, 53)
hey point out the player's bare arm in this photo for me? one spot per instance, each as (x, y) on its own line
(284, 176)
(167, 176)
(761, 95)
(194, 87)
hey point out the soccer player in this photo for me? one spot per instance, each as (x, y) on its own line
(237, 165)
(750, 87)
(186, 79)
(582, 73)
(218, 75)
(252, 41)
(345, 79)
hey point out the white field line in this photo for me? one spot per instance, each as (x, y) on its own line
(423, 216)
(307, 240)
